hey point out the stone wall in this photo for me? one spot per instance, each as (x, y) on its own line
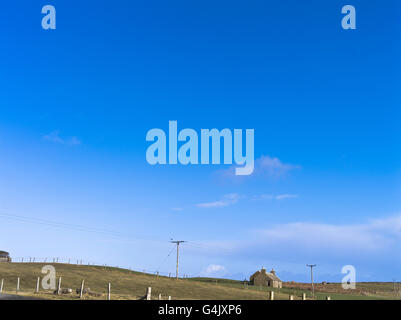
(5, 259)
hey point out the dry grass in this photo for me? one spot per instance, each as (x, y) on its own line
(125, 284)
(129, 285)
(363, 290)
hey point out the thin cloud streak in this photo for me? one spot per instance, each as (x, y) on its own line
(275, 197)
(373, 237)
(265, 166)
(228, 200)
(56, 138)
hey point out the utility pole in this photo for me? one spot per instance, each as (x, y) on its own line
(178, 250)
(311, 266)
(394, 282)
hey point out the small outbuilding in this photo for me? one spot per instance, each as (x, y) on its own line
(4, 256)
(267, 279)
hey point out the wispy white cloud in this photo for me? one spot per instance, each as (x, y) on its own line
(362, 243)
(228, 200)
(286, 196)
(213, 269)
(367, 242)
(275, 197)
(234, 198)
(369, 245)
(56, 138)
(325, 236)
(273, 166)
(265, 166)
(372, 236)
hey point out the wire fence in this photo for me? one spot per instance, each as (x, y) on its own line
(83, 262)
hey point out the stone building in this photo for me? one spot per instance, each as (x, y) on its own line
(4, 256)
(267, 279)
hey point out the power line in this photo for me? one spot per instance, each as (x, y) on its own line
(56, 224)
(81, 228)
(207, 247)
(76, 227)
(164, 260)
(109, 233)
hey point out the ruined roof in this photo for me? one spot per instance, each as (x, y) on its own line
(4, 254)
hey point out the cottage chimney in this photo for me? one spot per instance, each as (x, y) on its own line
(273, 272)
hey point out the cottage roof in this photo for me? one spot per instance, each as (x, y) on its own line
(4, 254)
(268, 275)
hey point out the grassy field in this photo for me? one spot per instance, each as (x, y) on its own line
(126, 284)
(363, 291)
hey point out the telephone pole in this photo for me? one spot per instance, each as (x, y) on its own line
(311, 266)
(178, 251)
(394, 282)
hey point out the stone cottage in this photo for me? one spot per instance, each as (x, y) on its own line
(4, 256)
(267, 279)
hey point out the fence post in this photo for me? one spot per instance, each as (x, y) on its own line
(37, 285)
(1, 285)
(169, 297)
(328, 298)
(59, 285)
(271, 295)
(291, 297)
(303, 296)
(17, 289)
(149, 294)
(82, 288)
(109, 291)
(160, 296)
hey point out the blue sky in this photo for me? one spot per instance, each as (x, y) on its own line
(76, 104)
